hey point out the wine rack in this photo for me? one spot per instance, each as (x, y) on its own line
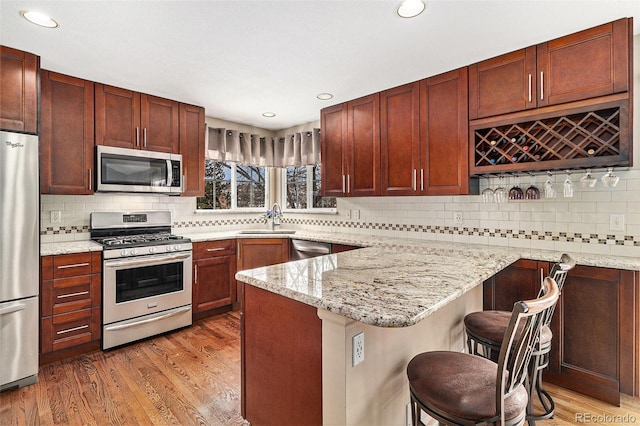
(582, 139)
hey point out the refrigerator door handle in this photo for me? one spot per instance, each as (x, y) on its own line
(12, 308)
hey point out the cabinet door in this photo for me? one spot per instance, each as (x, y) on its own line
(444, 133)
(258, 252)
(591, 63)
(66, 132)
(334, 133)
(363, 157)
(503, 84)
(18, 90)
(593, 343)
(192, 128)
(159, 122)
(213, 283)
(400, 140)
(117, 117)
(520, 281)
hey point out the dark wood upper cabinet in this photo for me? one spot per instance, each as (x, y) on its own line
(66, 133)
(351, 148)
(192, 129)
(18, 90)
(400, 140)
(444, 135)
(128, 119)
(588, 64)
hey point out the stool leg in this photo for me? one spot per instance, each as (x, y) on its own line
(539, 362)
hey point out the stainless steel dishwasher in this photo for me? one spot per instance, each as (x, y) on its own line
(301, 249)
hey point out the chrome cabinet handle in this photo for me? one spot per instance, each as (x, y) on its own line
(69, 330)
(343, 185)
(90, 181)
(75, 265)
(13, 308)
(421, 179)
(529, 87)
(64, 296)
(415, 179)
(195, 274)
(348, 184)
(217, 249)
(147, 260)
(541, 85)
(137, 136)
(144, 137)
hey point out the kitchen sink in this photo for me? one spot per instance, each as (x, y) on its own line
(266, 231)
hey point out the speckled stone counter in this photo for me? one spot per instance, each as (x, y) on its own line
(49, 249)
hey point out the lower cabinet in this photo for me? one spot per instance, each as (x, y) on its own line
(214, 270)
(70, 305)
(596, 344)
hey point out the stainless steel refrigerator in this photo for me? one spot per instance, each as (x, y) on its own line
(19, 259)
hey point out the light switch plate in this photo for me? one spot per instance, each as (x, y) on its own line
(616, 222)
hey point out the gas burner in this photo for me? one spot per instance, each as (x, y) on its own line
(138, 240)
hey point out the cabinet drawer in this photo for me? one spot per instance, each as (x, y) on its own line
(70, 329)
(207, 249)
(70, 294)
(69, 265)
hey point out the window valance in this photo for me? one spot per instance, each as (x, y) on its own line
(297, 149)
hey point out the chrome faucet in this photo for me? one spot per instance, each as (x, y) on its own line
(276, 211)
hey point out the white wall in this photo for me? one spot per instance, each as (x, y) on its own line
(579, 224)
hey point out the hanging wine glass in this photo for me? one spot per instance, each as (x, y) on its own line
(588, 180)
(501, 194)
(487, 193)
(532, 192)
(549, 190)
(609, 179)
(516, 193)
(567, 186)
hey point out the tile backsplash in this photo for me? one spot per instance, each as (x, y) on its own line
(577, 224)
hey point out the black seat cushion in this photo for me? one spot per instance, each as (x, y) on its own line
(491, 325)
(461, 384)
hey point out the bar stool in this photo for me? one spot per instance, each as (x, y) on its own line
(466, 389)
(485, 330)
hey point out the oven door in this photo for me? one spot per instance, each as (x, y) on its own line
(143, 285)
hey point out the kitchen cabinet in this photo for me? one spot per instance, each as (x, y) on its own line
(595, 345)
(192, 134)
(214, 270)
(18, 90)
(70, 305)
(127, 119)
(66, 132)
(554, 72)
(444, 135)
(351, 148)
(400, 165)
(424, 137)
(257, 252)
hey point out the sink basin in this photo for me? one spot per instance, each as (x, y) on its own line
(266, 231)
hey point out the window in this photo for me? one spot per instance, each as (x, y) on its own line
(233, 186)
(302, 189)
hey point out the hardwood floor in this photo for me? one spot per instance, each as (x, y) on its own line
(191, 377)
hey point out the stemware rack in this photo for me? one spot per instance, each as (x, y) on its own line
(584, 137)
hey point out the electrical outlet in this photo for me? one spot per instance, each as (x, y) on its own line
(616, 222)
(355, 214)
(348, 214)
(358, 348)
(457, 218)
(56, 215)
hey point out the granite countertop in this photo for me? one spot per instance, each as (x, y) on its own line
(68, 247)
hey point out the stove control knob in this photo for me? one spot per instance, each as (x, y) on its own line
(176, 247)
(134, 251)
(169, 248)
(123, 252)
(153, 250)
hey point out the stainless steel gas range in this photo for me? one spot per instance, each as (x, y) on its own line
(146, 278)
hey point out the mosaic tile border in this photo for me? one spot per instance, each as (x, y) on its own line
(610, 239)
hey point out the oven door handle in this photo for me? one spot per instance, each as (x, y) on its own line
(147, 260)
(148, 320)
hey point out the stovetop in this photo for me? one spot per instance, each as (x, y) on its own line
(140, 240)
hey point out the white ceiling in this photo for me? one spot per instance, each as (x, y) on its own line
(239, 59)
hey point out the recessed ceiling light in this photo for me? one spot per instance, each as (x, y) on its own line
(39, 19)
(324, 96)
(269, 114)
(410, 8)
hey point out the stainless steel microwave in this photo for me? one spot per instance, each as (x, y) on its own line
(134, 170)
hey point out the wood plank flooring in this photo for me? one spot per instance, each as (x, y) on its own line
(192, 377)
